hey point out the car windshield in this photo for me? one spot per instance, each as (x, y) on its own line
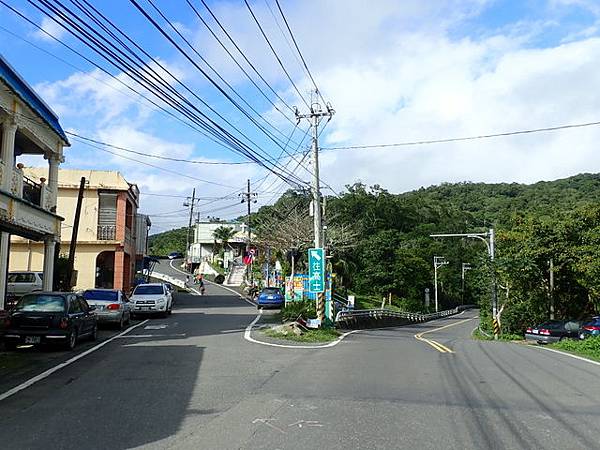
(105, 296)
(271, 291)
(41, 303)
(148, 290)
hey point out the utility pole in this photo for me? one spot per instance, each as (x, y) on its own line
(315, 116)
(551, 263)
(249, 197)
(73, 245)
(190, 202)
(438, 261)
(465, 267)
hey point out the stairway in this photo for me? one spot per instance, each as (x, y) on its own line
(236, 275)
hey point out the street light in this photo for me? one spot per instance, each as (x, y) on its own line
(438, 261)
(489, 240)
(465, 267)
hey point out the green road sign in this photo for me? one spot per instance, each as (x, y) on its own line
(316, 270)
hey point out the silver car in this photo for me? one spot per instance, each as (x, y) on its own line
(21, 283)
(112, 306)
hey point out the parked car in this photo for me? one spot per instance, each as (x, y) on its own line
(553, 331)
(591, 328)
(112, 306)
(175, 255)
(151, 298)
(50, 317)
(20, 283)
(270, 296)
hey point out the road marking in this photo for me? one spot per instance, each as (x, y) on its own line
(50, 371)
(308, 423)
(249, 338)
(268, 423)
(581, 358)
(130, 336)
(439, 347)
(248, 330)
(155, 327)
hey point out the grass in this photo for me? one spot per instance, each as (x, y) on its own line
(588, 348)
(477, 334)
(320, 335)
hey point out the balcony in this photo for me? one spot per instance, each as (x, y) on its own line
(24, 188)
(107, 232)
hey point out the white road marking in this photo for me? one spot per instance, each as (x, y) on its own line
(131, 336)
(268, 423)
(308, 423)
(213, 284)
(155, 327)
(581, 358)
(50, 371)
(248, 331)
(249, 338)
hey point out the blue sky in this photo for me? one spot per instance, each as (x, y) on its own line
(393, 71)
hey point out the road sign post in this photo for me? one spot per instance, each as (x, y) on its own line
(316, 270)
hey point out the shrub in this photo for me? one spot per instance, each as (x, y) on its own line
(293, 310)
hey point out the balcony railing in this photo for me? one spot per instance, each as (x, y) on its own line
(32, 191)
(107, 232)
(25, 188)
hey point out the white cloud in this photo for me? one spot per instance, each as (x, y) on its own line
(51, 27)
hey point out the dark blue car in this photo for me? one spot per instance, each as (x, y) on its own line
(591, 328)
(270, 297)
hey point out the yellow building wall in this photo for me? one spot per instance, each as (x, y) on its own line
(85, 260)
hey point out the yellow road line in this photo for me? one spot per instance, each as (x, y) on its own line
(439, 347)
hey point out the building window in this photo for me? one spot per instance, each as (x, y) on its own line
(107, 216)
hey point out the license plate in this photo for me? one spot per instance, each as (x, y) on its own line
(32, 339)
(139, 308)
(535, 332)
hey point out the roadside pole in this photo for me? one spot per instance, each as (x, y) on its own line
(73, 246)
(187, 237)
(314, 116)
(247, 198)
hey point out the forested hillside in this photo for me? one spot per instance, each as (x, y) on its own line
(162, 244)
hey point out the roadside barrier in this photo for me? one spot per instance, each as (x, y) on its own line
(379, 318)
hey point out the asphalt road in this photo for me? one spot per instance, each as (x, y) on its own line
(192, 382)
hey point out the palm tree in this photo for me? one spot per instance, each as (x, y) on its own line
(223, 234)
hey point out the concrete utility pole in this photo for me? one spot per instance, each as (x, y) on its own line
(73, 246)
(438, 261)
(551, 264)
(249, 197)
(490, 242)
(190, 201)
(465, 267)
(315, 116)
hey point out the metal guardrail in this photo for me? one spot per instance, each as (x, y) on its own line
(387, 317)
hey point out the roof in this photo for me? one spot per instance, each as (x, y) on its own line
(95, 179)
(22, 89)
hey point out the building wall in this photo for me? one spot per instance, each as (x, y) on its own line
(85, 261)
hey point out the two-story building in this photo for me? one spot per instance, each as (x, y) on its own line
(106, 241)
(204, 246)
(27, 207)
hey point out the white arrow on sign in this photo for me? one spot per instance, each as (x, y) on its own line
(316, 255)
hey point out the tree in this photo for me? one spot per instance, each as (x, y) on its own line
(224, 235)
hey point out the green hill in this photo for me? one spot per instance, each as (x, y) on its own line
(162, 244)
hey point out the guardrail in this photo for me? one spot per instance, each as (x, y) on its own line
(368, 318)
(174, 281)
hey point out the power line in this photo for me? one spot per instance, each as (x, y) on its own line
(468, 138)
(275, 53)
(165, 92)
(299, 52)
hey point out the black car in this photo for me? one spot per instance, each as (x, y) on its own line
(553, 331)
(50, 318)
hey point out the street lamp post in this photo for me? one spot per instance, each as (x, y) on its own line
(489, 239)
(465, 267)
(438, 261)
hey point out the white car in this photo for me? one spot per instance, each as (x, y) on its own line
(151, 298)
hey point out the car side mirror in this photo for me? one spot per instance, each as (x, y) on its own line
(92, 308)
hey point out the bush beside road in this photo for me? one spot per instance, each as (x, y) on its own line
(587, 348)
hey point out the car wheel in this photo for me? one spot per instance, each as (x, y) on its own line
(259, 307)
(94, 334)
(72, 339)
(170, 310)
(560, 339)
(164, 314)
